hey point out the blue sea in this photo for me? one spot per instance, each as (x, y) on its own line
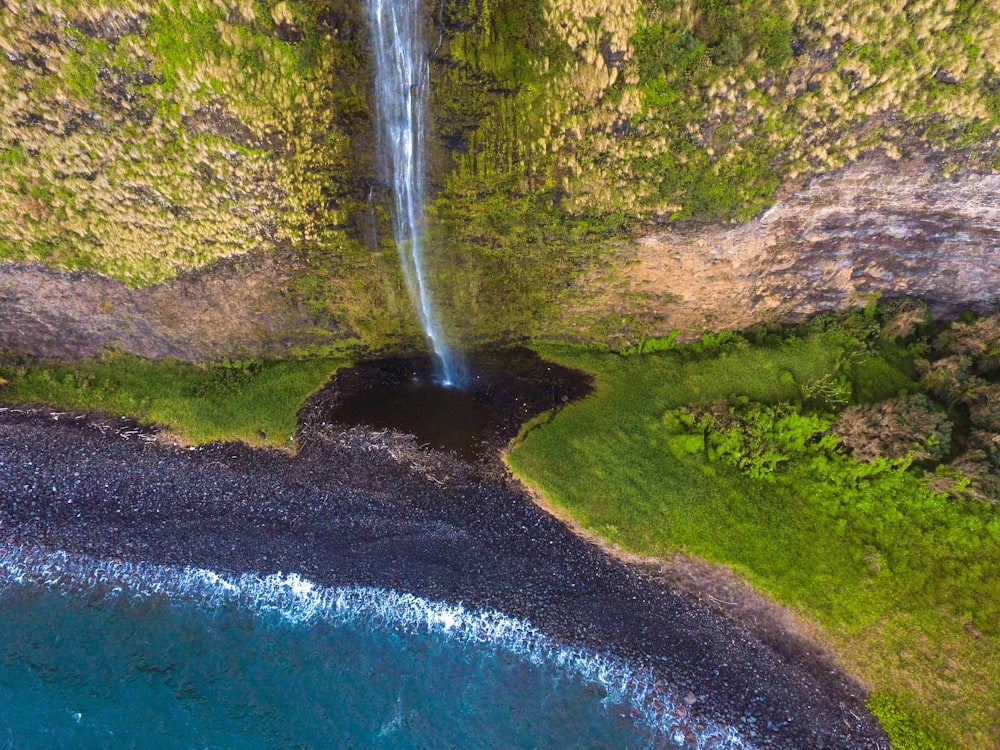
(107, 654)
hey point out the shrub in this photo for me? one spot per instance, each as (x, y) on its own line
(895, 428)
(752, 437)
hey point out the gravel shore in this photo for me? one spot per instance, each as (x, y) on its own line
(357, 506)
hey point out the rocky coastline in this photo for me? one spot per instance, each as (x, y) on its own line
(366, 507)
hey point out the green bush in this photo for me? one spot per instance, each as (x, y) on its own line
(654, 344)
(756, 438)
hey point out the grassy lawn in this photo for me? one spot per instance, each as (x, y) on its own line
(253, 401)
(903, 579)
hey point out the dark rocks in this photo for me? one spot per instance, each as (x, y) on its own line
(348, 510)
(113, 25)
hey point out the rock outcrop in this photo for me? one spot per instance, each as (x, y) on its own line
(897, 228)
(239, 307)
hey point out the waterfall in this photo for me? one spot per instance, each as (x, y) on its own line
(402, 79)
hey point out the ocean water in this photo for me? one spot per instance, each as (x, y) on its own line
(102, 654)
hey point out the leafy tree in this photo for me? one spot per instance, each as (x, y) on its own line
(978, 339)
(755, 438)
(983, 402)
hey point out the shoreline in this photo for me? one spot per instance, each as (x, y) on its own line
(722, 591)
(355, 507)
(658, 716)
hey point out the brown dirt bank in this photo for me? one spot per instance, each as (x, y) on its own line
(357, 507)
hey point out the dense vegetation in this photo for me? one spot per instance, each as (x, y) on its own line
(829, 466)
(140, 138)
(249, 400)
(673, 109)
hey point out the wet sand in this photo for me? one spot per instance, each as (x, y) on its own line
(365, 507)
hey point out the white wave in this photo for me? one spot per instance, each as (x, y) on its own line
(300, 601)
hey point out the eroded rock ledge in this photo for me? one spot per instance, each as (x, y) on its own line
(238, 307)
(880, 226)
(898, 228)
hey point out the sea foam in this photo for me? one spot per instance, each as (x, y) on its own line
(299, 601)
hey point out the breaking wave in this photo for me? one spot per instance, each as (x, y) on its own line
(298, 601)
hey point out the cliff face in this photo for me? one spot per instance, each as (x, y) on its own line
(895, 228)
(238, 308)
(155, 143)
(878, 226)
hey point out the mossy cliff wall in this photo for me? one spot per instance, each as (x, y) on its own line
(594, 168)
(143, 138)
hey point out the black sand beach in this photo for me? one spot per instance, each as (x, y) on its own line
(359, 506)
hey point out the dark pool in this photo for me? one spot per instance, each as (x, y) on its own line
(438, 416)
(505, 388)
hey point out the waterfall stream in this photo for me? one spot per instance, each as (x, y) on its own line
(402, 79)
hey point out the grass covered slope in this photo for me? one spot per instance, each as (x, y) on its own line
(253, 401)
(732, 450)
(673, 109)
(139, 138)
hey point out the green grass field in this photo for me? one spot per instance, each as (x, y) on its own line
(253, 401)
(903, 580)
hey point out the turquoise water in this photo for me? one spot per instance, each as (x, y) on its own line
(111, 655)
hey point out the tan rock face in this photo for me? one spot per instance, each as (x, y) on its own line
(877, 226)
(236, 308)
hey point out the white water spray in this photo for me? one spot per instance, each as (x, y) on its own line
(299, 601)
(402, 80)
